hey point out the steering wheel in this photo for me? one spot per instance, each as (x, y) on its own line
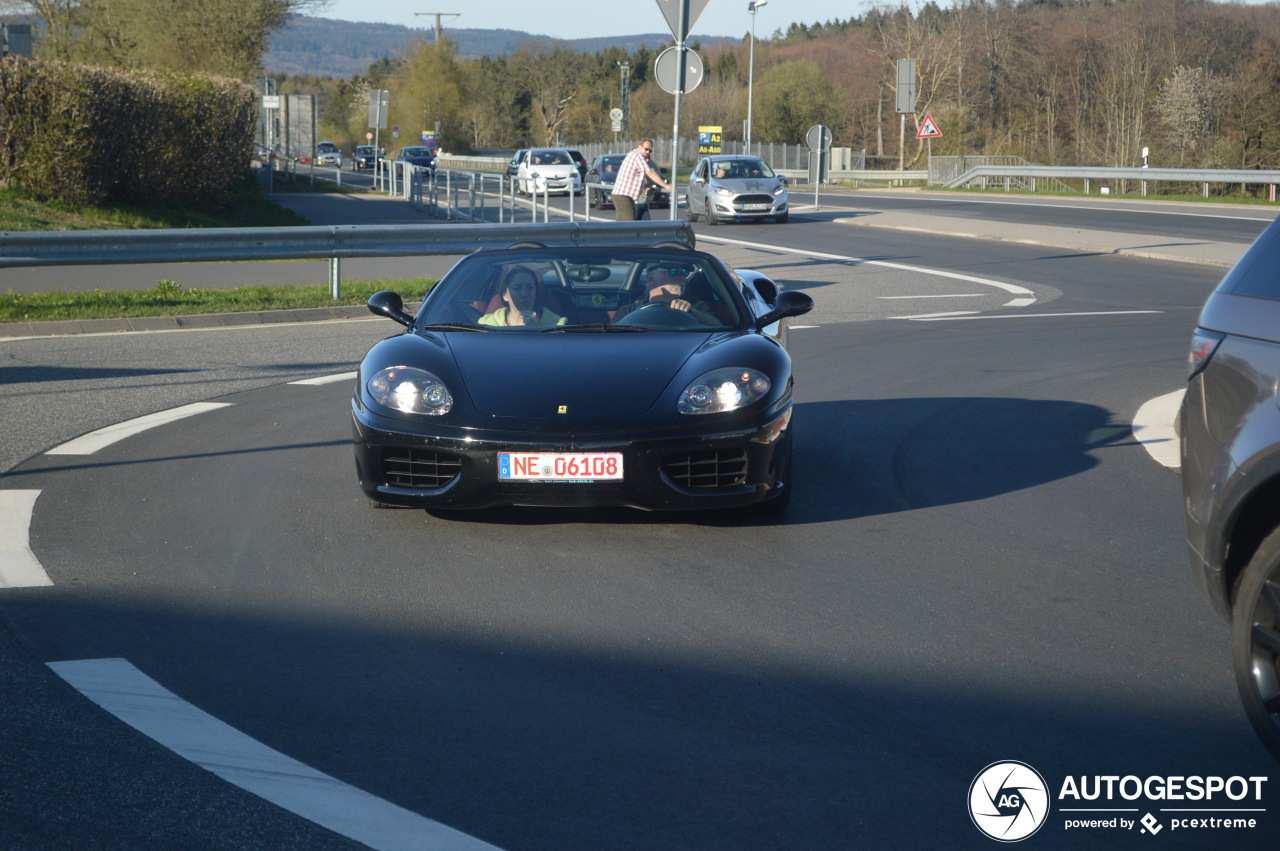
(669, 316)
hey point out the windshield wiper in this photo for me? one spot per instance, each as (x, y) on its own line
(454, 326)
(594, 328)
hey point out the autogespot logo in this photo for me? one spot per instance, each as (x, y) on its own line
(1008, 801)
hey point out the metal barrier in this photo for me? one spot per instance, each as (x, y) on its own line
(188, 245)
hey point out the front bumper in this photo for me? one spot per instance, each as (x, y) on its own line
(400, 463)
(738, 209)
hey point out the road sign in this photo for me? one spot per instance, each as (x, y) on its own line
(617, 126)
(666, 69)
(907, 85)
(671, 11)
(710, 139)
(615, 114)
(819, 137)
(271, 101)
(928, 129)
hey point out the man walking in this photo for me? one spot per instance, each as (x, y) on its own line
(628, 187)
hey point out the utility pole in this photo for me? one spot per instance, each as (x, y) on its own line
(438, 16)
(624, 97)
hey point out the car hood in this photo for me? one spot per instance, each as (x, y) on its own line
(746, 185)
(593, 375)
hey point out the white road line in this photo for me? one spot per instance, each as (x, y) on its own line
(142, 703)
(95, 440)
(1153, 428)
(927, 317)
(1027, 296)
(941, 295)
(19, 567)
(327, 379)
(937, 317)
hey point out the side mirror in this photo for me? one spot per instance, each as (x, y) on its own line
(789, 303)
(390, 305)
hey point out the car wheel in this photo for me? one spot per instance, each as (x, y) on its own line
(693, 217)
(711, 216)
(782, 219)
(1255, 645)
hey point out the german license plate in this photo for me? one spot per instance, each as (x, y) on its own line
(559, 466)
(757, 206)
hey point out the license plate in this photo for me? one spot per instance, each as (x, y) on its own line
(559, 466)
(757, 206)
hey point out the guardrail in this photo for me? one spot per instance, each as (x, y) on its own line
(188, 245)
(1088, 174)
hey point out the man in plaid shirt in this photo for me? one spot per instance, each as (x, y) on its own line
(629, 185)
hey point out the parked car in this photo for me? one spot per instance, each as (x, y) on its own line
(664, 410)
(1230, 444)
(366, 156)
(550, 170)
(604, 169)
(327, 153)
(418, 155)
(735, 189)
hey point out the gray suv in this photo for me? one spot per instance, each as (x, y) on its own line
(1230, 441)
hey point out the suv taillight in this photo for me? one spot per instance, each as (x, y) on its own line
(1203, 345)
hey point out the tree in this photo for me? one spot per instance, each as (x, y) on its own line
(552, 77)
(792, 97)
(1185, 107)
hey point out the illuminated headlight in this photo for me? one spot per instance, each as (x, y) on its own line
(720, 190)
(781, 190)
(413, 391)
(723, 390)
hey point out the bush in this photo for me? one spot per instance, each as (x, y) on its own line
(87, 136)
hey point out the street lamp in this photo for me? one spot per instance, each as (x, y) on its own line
(751, 65)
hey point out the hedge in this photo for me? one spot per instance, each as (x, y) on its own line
(87, 136)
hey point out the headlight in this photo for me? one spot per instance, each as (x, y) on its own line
(414, 391)
(720, 190)
(781, 190)
(723, 390)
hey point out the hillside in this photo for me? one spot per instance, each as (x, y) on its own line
(331, 48)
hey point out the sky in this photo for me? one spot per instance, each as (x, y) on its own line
(594, 18)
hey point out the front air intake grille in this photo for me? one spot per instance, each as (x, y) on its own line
(753, 199)
(708, 470)
(419, 468)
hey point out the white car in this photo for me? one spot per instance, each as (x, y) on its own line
(549, 170)
(327, 153)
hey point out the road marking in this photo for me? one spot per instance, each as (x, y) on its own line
(327, 379)
(19, 567)
(928, 317)
(142, 703)
(1026, 295)
(943, 295)
(943, 316)
(1153, 427)
(103, 437)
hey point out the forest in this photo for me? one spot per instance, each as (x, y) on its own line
(1056, 82)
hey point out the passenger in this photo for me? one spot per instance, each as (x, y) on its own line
(666, 286)
(721, 173)
(522, 297)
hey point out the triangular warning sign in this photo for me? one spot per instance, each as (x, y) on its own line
(928, 129)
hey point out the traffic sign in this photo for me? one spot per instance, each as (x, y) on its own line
(671, 11)
(666, 69)
(615, 114)
(819, 137)
(928, 129)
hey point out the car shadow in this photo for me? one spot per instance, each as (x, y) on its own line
(860, 458)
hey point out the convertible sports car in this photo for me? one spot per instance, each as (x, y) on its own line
(650, 377)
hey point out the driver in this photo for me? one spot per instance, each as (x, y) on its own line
(666, 287)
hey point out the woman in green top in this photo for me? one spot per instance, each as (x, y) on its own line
(522, 297)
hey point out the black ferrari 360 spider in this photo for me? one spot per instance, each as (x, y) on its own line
(651, 377)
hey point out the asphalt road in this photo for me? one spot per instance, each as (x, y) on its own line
(981, 564)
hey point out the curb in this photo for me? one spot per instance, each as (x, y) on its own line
(175, 323)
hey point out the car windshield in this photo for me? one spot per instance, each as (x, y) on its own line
(585, 290)
(327, 148)
(739, 169)
(551, 158)
(417, 152)
(365, 149)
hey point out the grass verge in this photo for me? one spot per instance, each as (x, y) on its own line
(169, 299)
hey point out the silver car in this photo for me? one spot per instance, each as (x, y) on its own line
(1230, 442)
(735, 189)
